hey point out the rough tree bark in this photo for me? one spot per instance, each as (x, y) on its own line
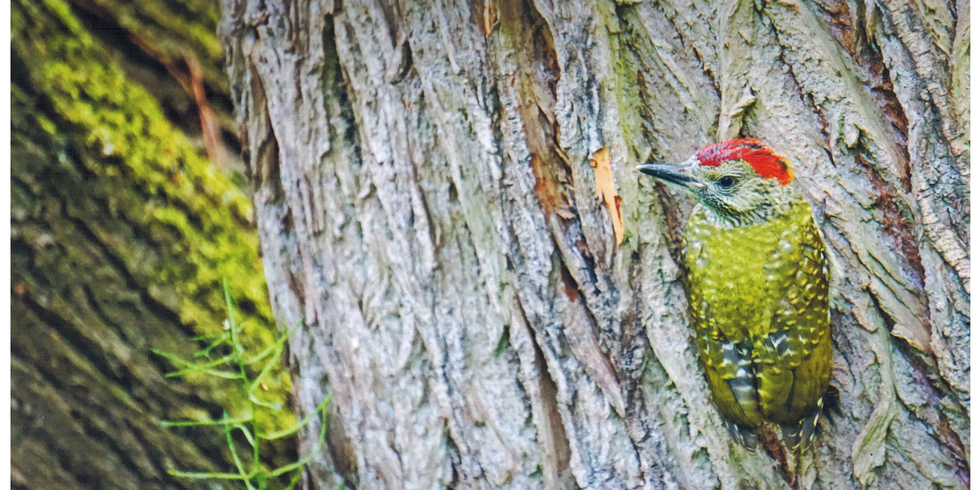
(425, 183)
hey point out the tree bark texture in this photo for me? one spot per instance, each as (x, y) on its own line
(431, 196)
(120, 233)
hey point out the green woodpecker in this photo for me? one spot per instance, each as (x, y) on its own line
(757, 287)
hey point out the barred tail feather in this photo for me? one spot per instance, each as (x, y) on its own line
(742, 435)
(803, 435)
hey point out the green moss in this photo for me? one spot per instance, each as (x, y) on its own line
(630, 103)
(195, 217)
(624, 65)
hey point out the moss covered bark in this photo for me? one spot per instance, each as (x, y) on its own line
(121, 234)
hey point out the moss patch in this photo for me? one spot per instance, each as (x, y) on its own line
(197, 221)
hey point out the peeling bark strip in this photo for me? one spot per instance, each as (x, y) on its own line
(537, 74)
(433, 196)
(605, 189)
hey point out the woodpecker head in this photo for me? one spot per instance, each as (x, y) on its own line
(742, 181)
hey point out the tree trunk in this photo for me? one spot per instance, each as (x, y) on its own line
(433, 196)
(120, 233)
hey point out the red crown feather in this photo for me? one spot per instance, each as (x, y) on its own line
(766, 163)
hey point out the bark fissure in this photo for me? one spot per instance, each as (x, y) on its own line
(549, 392)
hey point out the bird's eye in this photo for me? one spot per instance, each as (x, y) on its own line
(726, 182)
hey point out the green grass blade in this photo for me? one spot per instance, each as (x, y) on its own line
(246, 477)
(199, 475)
(301, 424)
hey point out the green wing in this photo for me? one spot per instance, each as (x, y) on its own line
(794, 361)
(730, 373)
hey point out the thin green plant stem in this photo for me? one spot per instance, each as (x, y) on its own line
(302, 423)
(202, 423)
(246, 477)
(236, 365)
(202, 475)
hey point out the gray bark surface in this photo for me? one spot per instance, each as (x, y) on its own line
(427, 205)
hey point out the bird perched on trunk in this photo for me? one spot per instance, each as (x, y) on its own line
(757, 287)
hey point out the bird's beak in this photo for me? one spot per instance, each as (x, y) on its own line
(673, 173)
